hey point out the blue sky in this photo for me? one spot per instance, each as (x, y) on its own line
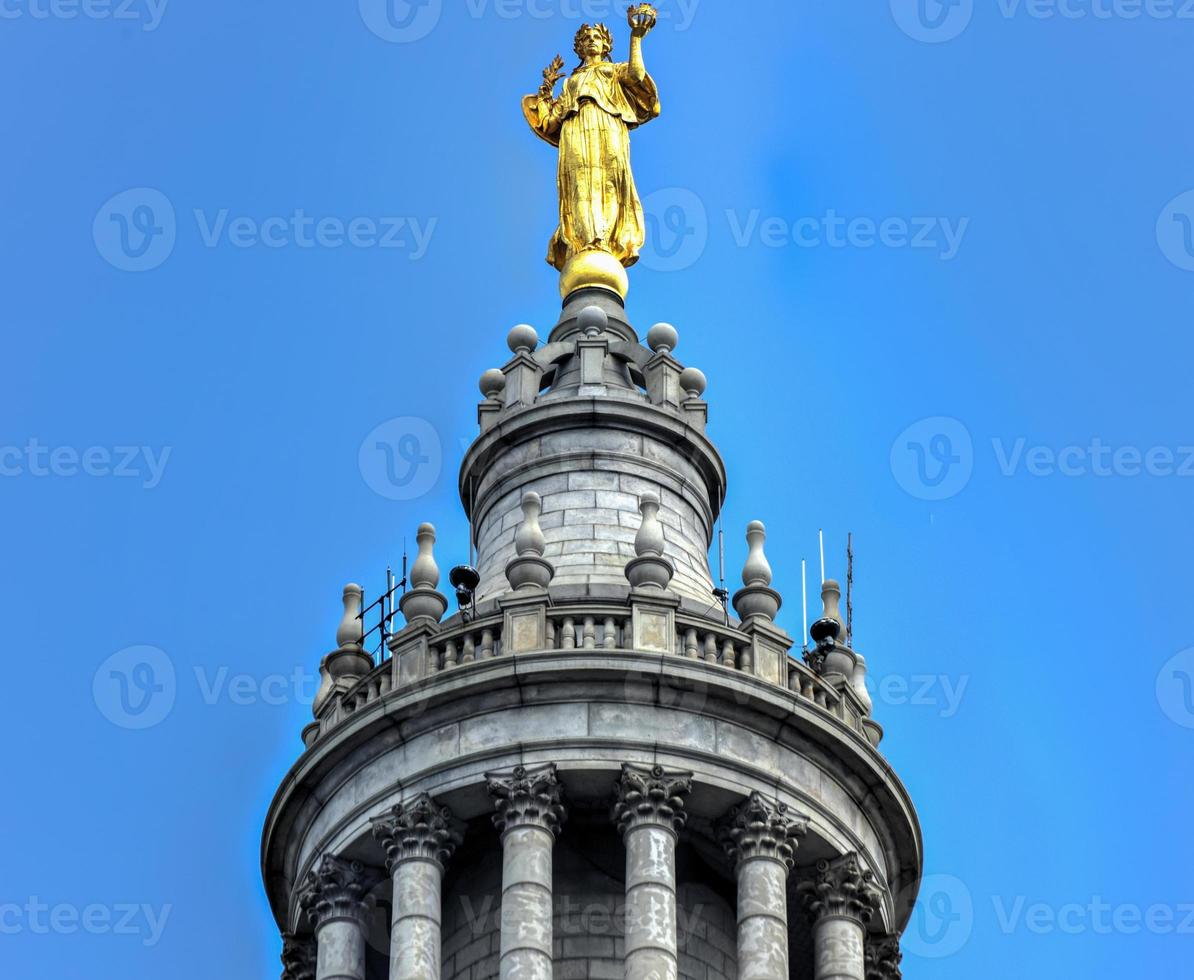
(936, 261)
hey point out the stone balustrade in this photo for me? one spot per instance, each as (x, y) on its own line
(418, 656)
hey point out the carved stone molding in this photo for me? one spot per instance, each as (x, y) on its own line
(298, 957)
(338, 889)
(651, 796)
(883, 958)
(419, 829)
(841, 888)
(527, 797)
(760, 828)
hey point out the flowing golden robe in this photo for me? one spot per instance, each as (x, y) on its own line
(590, 123)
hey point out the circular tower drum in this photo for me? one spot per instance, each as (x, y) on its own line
(592, 769)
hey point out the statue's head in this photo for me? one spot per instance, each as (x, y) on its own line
(593, 40)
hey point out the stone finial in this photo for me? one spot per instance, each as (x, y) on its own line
(349, 660)
(422, 601)
(883, 958)
(858, 683)
(843, 888)
(420, 829)
(760, 828)
(492, 384)
(522, 339)
(351, 630)
(829, 627)
(693, 382)
(756, 598)
(529, 569)
(338, 889)
(527, 797)
(650, 569)
(651, 795)
(298, 957)
(756, 571)
(592, 321)
(663, 338)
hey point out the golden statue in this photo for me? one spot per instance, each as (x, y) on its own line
(601, 218)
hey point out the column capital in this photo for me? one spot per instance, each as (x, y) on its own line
(338, 889)
(418, 830)
(651, 796)
(760, 828)
(883, 958)
(298, 957)
(527, 797)
(842, 888)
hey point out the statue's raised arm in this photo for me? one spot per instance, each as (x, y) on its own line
(601, 218)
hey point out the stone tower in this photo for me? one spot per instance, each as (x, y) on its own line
(592, 769)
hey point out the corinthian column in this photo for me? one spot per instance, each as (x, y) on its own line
(418, 838)
(529, 814)
(298, 957)
(337, 898)
(650, 813)
(840, 900)
(883, 958)
(761, 839)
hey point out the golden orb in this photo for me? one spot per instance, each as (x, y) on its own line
(594, 268)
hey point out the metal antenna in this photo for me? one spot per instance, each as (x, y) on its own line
(850, 589)
(821, 540)
(720, 593)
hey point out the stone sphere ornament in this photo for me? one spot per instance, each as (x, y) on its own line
(663, 338)
(592, 320)
(523, 339)
(492, 383)
(693, 382)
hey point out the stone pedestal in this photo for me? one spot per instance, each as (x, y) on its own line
(650, 813)
(339, 901)
(418, 838)
(529, 813)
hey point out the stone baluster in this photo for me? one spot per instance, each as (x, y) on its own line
(609, 638)
(728, 656)
(589, 634)
(338, 898)
(710, 648)
(418, 838)
(650, 814)
(691, 649)
(487, 650)
(568, 634)
(883, 958)
(760, 838)
(298, 957)
(528, 818)
(649, 569)
(450, 655)
(421, 603)
(840, 901)
(529, 570)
